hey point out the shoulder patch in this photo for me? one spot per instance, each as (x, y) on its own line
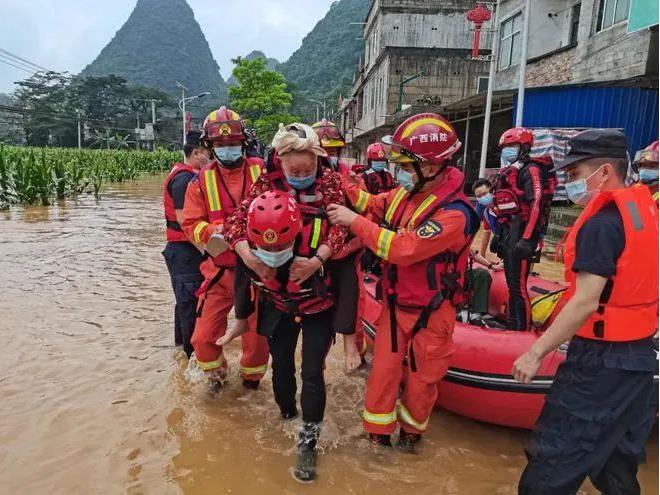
(429, 229)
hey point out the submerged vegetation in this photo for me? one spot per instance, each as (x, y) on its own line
(39, 175)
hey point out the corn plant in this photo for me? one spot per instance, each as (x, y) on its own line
(38, 175)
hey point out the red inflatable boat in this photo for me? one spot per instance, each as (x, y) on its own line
(479, 383)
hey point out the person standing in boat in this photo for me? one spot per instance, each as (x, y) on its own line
(602, 405)
(422, 230)
(522, 195)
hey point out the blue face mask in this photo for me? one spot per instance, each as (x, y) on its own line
(274, 259)
(378, 166)
(508, 155)
(405, 179)
(578, 191)
(648, 175)
(229, 156)
(301, 183)
(486, 199)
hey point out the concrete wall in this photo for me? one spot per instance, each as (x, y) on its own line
(599, 56)
(611, 53)
(431, 24)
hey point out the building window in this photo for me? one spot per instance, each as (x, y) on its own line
(612, 12)
(575, 24)
(510, 42)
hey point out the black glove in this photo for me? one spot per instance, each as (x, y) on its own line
(525, 249)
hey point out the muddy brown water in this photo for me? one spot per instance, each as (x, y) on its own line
(94, 399)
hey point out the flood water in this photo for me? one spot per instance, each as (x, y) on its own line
(94, 399)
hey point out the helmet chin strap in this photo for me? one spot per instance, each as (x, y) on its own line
(422, 180)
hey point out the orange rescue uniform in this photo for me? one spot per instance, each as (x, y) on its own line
(216, 296)
(445, 230)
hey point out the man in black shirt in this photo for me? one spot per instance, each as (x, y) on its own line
(603, 402)
(181, 256)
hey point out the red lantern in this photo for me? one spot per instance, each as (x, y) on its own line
(478, 16)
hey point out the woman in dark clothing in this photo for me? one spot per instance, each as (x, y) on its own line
(282, 235)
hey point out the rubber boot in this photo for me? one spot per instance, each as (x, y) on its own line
(305, 470)
(380, 440)
(216, 378)
(289, 414)
(408, 441)
(251, 384)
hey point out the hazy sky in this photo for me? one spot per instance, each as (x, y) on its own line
(68, 34)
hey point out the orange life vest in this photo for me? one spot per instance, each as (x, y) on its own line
(628, 308)
(219, 202)
(174, 232)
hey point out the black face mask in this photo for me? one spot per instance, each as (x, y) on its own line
(231, 164)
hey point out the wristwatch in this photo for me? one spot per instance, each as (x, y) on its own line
(316, 255)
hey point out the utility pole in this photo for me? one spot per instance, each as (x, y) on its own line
(489, 93)
(137, 137)
(523, 65)
(153, 121)
(183, 110)
(322, 103)
(79, 135)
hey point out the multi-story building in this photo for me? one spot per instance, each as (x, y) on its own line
(417, 54)
(587, 66)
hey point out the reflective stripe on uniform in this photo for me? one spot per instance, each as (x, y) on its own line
(212, 365)
(420, 209)
(400, 193)
(379, 418)
(198, 231)
(406, 417)
(256, 370)
(316, 233)
(384, 242)
(362, 201)
(212, 194)
(255, 171)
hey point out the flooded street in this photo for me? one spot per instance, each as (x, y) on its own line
(94, 398)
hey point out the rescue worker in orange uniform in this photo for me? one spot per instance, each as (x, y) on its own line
(422, 230)
(602, 404)
(377, 179)
(346, 263)
(646, 162)
(181, 256)
(210, 199)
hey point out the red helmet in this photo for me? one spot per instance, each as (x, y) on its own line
(516, 135)
(273, 220)
(423, 137)
(329, 134)
(648, 155)
(376, 151)
(225, 126)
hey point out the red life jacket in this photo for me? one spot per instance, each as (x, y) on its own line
(377, 182)
(314, 295)
(427, 283)
(509, 198)
(628, 308)
(219, 203)
(174, 232)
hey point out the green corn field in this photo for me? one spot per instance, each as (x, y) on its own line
(39, 175)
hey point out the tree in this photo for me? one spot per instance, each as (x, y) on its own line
(260, 96)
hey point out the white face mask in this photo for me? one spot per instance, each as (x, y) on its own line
(274, 259)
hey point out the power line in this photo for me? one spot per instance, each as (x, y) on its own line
(21, 68)
(21, 59)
